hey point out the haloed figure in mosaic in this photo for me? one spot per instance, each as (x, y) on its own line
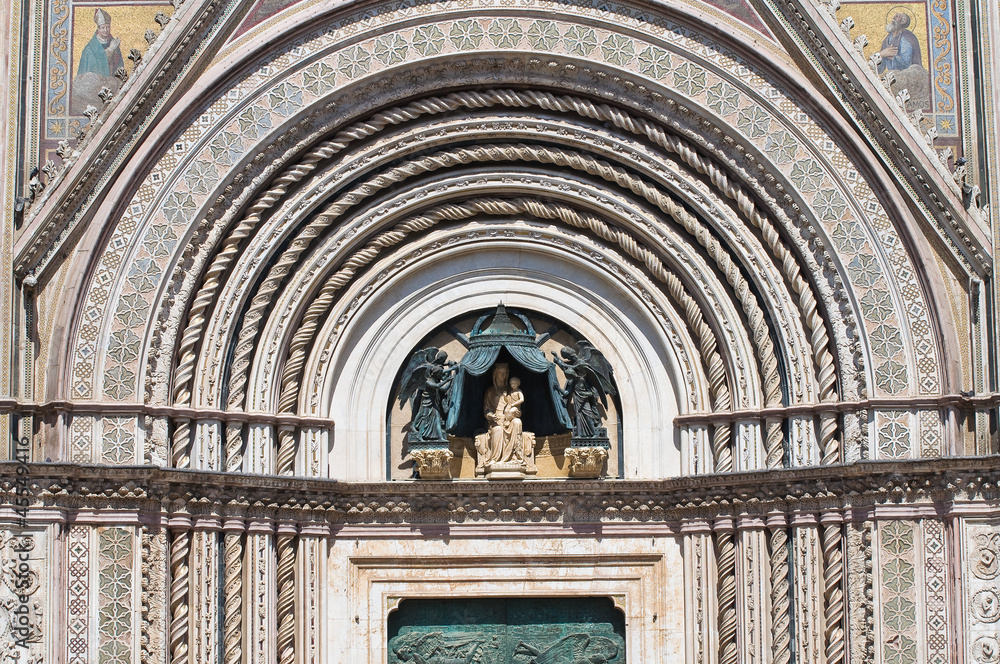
(100, 59)
(901, 54)
(102, 55)
(900, 48)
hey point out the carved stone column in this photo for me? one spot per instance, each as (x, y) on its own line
(259, 564)
(259, 449)
(180, 550)
(777, 525)
(753, 573)
(833, 582)
(699, 590)
(312, 591)
(204, 588)
(748, 445)
(209, 445)
(232, 639)
(807, 563)
(315, 441)
(234, 446)
(725, 556)
(154, 595)
(285, 545)
(288, 443)
(860, 592)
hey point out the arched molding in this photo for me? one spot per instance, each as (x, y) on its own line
(676, 253)
(692, 118)
(375, 342)
(513, 185)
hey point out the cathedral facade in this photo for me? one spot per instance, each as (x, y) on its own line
(500, 331)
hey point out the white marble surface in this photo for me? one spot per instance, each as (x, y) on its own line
(367, 578)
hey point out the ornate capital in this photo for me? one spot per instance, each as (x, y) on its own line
(433, 464)
(586, 461)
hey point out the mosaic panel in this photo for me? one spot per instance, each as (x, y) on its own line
(893, 431)
(897, 592)
(237, 120)
(935, 591)
(916, 43)
(78, 596)
(114, 588)
(81, 439)
(86, 43)
(118, 440)
(930, 434)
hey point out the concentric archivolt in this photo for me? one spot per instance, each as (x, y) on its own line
(726, 206)
(360, 191)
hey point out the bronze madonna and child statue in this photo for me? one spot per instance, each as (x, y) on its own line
(503, 394)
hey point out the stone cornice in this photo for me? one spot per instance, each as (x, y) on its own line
(149, 495)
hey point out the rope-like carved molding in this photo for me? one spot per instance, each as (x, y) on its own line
(780, 620)
(304, 335)
(833, 591)
(262, 300)
(560, 157)
(180, 548)
(583, 107)
(233, 592)
(725, 561)
(285, 545)
(819, 338)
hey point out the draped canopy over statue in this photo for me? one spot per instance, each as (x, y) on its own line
(506, 341)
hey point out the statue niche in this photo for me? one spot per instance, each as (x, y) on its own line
(502, 403)
(505, 393)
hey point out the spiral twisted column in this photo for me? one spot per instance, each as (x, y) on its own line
(285, 579)
(233, 591)
(833, 586)
(234, 447)
(284, 463)
(777, 525)
(180, 442)
(725, 562)
(180, 550)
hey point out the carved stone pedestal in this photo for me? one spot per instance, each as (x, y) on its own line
(433, 464)
(510, 470)
(586, 461)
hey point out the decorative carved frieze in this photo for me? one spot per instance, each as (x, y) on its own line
(851, 489)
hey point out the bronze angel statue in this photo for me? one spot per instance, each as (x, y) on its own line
(588, 384)
(572, 649)
(426, 383)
